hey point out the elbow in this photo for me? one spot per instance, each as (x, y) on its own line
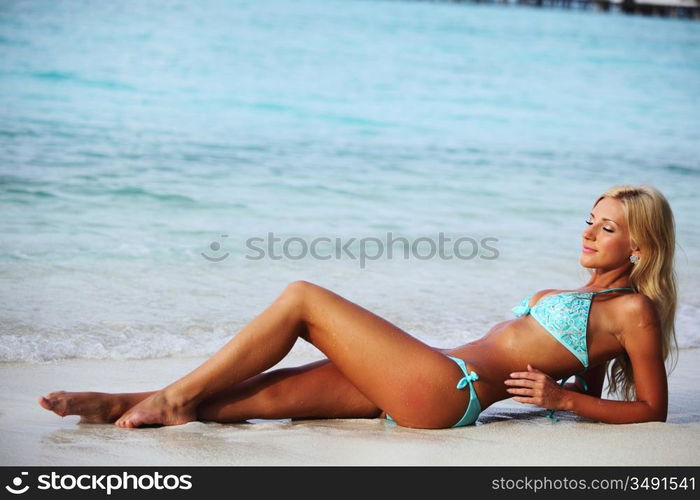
(660, 417)
(655, 417)
(656, 414)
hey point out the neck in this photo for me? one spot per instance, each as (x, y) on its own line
(615, 278)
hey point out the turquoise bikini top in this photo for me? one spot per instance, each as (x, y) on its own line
(565, 316)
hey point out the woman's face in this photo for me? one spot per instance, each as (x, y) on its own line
(606, 240)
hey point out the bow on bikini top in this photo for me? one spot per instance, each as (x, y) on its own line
(565, 316)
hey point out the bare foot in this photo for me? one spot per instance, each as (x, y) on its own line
(159, 408)
(93, 407)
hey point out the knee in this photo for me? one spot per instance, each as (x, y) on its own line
(297, 289)
(295, 295)
(299, 285)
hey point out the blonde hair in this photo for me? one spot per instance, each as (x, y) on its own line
(652, 229)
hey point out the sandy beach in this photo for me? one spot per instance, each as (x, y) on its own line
(507, 433)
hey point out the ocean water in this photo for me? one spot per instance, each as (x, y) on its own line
(166, 168)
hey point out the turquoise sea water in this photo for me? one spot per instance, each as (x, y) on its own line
(139, 140)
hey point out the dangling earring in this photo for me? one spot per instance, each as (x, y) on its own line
(634, 259)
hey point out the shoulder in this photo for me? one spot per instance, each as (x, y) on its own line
(637, 316)
(637, 306)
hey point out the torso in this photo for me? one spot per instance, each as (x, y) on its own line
(510, 345)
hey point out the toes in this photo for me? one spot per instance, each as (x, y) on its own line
(50, 403)
(130, 421)
(134, 420)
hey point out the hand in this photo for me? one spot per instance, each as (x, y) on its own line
(537, 388)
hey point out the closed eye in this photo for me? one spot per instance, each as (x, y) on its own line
(590, 223)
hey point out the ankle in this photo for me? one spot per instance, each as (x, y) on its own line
(178, 398)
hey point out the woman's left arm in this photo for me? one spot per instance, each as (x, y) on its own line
(641, 339)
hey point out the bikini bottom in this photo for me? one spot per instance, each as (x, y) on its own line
(474, 408)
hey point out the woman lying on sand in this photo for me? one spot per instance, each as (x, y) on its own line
(373, 369)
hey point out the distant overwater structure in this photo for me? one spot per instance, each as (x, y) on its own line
(682, 9)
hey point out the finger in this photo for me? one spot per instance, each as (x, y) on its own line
(523, 382)
(529, 375)
(521, 399)
(521, 392)
(532, 368)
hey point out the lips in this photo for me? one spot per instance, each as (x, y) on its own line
(588, 249)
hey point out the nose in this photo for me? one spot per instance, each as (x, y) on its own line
(588, 233)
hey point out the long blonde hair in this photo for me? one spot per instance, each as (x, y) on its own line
(652, 229)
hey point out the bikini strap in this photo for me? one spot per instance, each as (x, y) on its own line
(612, 289)
(550, 413)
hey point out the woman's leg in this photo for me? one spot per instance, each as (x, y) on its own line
(412, 381)
(315, 390)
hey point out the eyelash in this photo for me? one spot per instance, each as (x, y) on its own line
(590, 223)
